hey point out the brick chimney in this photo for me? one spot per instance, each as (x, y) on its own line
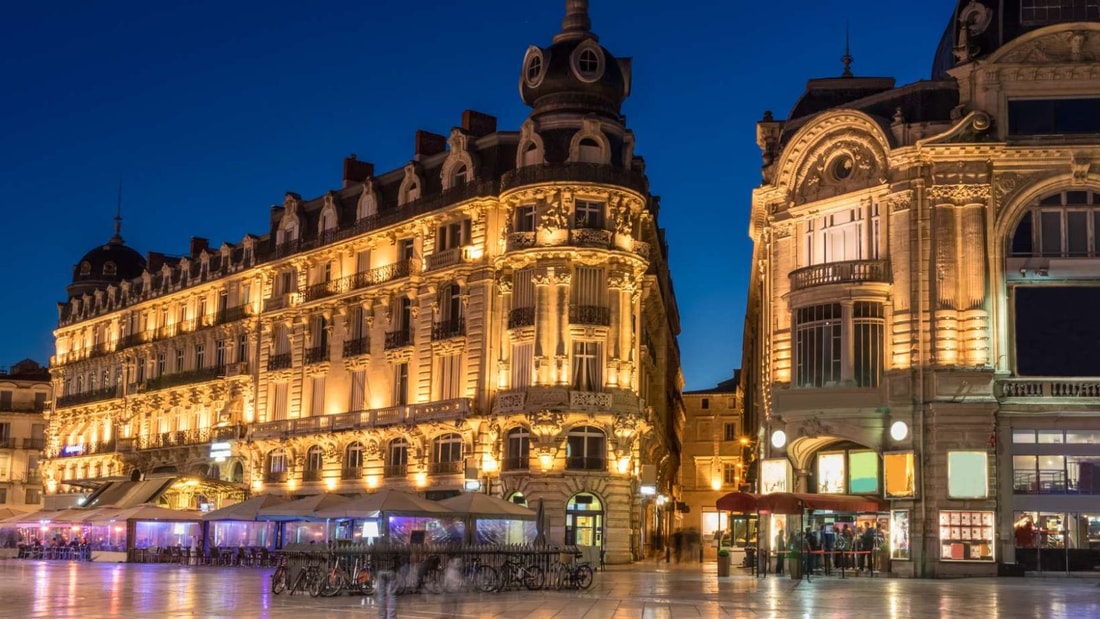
(356, 171)
(478, 124)
(198, 245)
(428, 144)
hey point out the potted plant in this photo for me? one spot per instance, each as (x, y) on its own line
(723, 561)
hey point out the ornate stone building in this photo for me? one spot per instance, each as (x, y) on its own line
(716, 455)
(497, 311)
(24, 396)
(923, 257)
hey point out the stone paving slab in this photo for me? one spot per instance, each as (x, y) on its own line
(49, 589)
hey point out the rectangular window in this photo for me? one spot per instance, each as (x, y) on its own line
(33, 496)
(588, 214)
(362, 261)
(589, 287)
(5, 400)
(525, 218)
(817, 345)
(40, 401)
(587, 375)
(160, 364)
(317, 391)
(1042, 12)
(219, 353)
(179, 360)
(358, 391)
(1078, 116)
(279, 401)
(522, 364)
(140, 369)
(450, 377)
(453, 235)
(405, 249)
(967, 475)
(967, 536)
(1023, 436)
(729, 474)
(285, 283)
(200, 356)
(831, 473)
(869, 327)
(729, 431)
(400, 384)
(3, 496)
(899, 473)
(242, 348)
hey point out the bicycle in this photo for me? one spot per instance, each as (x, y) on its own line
(280, 578)
(306, 576)
(515, 572)
(573, 574)
(340, 579)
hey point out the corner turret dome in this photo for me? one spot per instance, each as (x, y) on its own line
(575, 74)
(106, 264)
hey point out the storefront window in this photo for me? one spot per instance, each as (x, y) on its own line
(899, 534)
(966, 536)
(775, 475)
(830, 473)
(900, 471)
(967, 475)
(1056, 530)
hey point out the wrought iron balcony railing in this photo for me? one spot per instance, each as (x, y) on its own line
(356, 347)
(398, 339)
(589, 315)
(312, 475)
(586, 464)
(395, 470)
(446, 329)
(280, 361)
(849, 272)
(317, 354)
(351, 472)
(446, 468)
(184, 378)
(516, 463)
(521, 317)
(95, 395)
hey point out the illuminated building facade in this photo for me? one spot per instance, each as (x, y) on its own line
(716, 455)
(923, 257)
(497, 312)
(24, 397)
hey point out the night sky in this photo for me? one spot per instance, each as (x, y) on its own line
(210, 111)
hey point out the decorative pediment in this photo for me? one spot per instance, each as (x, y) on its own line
(1053, 45)
(838, 165)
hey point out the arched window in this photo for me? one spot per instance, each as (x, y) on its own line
(460, 176)
(353, 461)
(584, 520)
(315, 464)
(531, 154)
(447, 454)
(238, 473)
(275, 469)
(518, 450)
(590, 151)
(397, 458)
(586, 449)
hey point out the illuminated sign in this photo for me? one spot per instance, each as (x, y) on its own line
(775, 475)
(900, 471)
(863, 472)
(220, 451)
(72, 450)
(830, 473)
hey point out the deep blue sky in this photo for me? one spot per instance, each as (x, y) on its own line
(210, 111)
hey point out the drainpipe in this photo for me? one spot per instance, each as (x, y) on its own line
(919, 404)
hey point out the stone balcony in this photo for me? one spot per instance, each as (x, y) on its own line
(533, 399)
(445, 410)
(849, 272)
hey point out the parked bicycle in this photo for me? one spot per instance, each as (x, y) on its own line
(514, 572)
(573, 573)
(339, 578)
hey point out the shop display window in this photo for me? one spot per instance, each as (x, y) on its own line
(966, 536)
(775, 475)
(899, 534)
(862, 472)
(900, 474)
(830, 473)
(967, 474)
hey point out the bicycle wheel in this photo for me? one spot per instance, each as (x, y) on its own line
(486, 578)
(583, 576)
(332, 584)
(363, 581)
(557, 576)
(278, 580)
(533, 578)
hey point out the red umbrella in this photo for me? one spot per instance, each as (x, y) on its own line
(743, 502)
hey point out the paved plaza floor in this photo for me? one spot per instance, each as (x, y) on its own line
(40, 589)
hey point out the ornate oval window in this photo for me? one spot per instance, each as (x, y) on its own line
(85, 268)
(534, 67)
(109, 268)
(841, 167)
(588, 61)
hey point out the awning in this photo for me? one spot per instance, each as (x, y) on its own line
(795, 503)
(743, 502)
(129, 493)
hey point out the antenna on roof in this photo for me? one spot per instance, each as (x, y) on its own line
(117, 238)
(847, 57)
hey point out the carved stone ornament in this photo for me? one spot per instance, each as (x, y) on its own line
(781, 230)
(1007, 184)
(1080, 166)
(901, 201)
(555, 213)
(814, 428)
(840, 165)
(959, 195)
(545, 423)
(1056, 48)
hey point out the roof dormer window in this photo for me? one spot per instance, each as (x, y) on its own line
(588, 61)
(534, 67)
